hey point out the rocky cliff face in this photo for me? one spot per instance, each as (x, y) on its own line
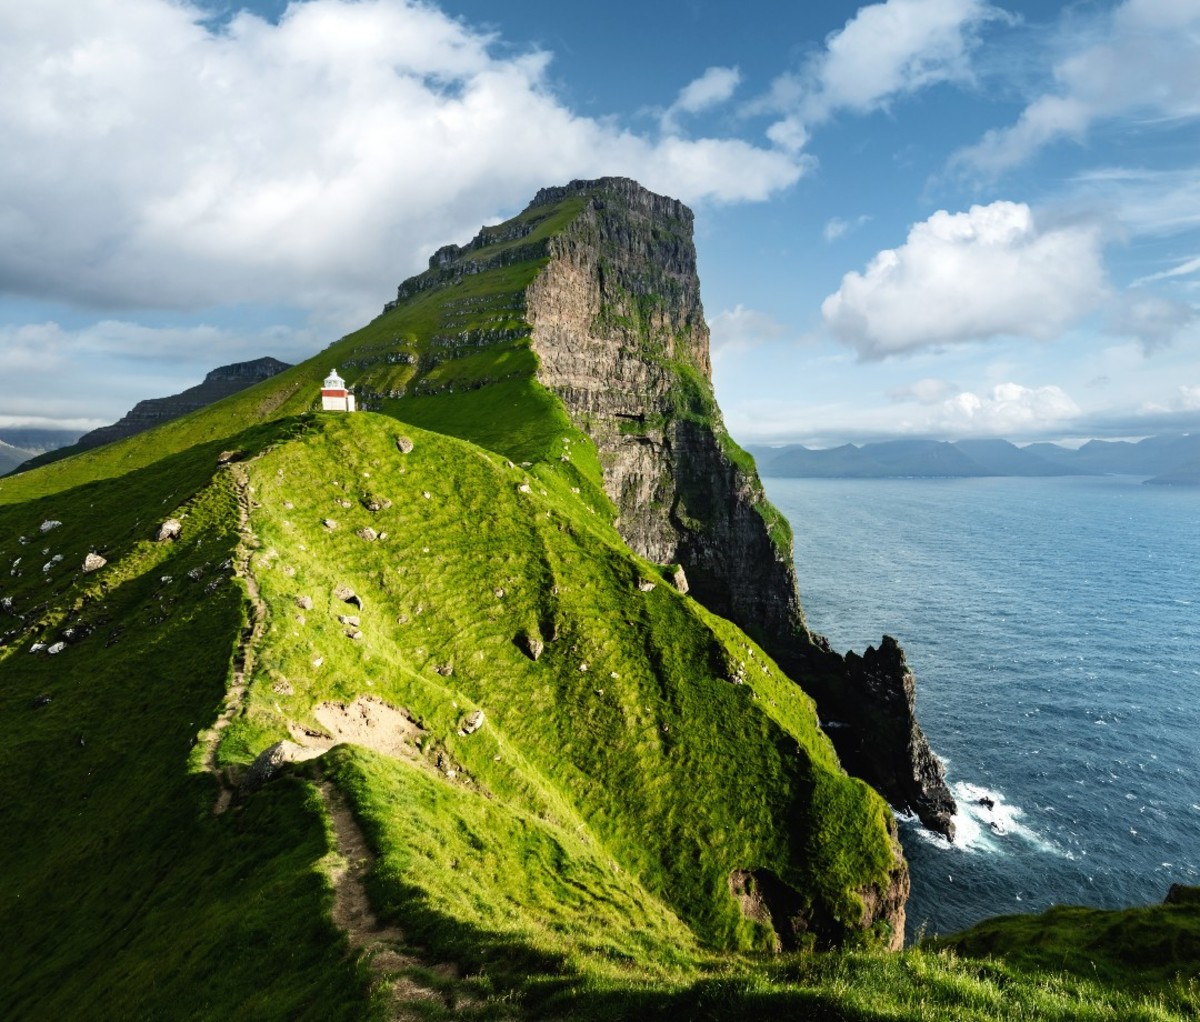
(620, 334)
(219, 383)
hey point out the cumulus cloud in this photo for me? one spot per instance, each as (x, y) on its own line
(886, 50)
(1146, 63)
(716, 86)
(150, 160)
(988, 272)
(1008, 410)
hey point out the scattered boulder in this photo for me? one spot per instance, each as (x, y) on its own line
(196, 573)
(283, 687)
(354, 634)
(679, 579)
(271, 760)
(170, 529)
(524, 488)
(349, 619)
(49, 524)
(531, 645)
(58, 647)
(445, 670)
(93, 562)
(37, 647)
(368, 534)
(347, 595)
(645, 585)
(42, 700)
(329, 523)
(499, 593)
(304, 602)
(471, 723)
(404, 445)
(225, 457)
(375, 503)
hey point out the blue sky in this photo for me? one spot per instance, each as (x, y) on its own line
(938, 218)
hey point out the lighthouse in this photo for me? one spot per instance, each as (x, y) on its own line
(334, 395)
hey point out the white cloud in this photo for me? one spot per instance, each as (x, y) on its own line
(740, 329)
(1184, 269)
(836, 227)
(972, 276)
(1146, 64)
(152, 162)
(886, 50)
(1008, 410)
(1157, 203)
(716, 86)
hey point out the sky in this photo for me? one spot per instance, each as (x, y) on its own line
(914, 218)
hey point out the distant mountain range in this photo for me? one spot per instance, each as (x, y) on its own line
(1163, 459)
(18, 445)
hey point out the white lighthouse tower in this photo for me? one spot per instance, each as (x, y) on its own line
(334, 395)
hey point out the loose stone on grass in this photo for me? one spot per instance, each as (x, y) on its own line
(530, 645)
(93, 562)
(404, 445)
(170, 529)
(347, 595)
(471, 723)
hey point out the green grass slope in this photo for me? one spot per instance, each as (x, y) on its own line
(632, 700)
(571, 857)
(119, 891)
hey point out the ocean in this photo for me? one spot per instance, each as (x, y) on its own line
(1054, 629)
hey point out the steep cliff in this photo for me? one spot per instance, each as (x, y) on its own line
(621, 339)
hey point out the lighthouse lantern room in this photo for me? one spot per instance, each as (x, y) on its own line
(334, 395)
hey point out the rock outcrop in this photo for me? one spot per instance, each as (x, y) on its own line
(219, 383)
(621, 338)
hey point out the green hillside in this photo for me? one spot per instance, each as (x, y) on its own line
(522, 774)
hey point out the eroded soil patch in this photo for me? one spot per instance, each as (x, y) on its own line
(368, 722)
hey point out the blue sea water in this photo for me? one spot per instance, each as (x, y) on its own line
(1054, 628)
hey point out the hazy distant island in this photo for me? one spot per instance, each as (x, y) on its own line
(1170, 459)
